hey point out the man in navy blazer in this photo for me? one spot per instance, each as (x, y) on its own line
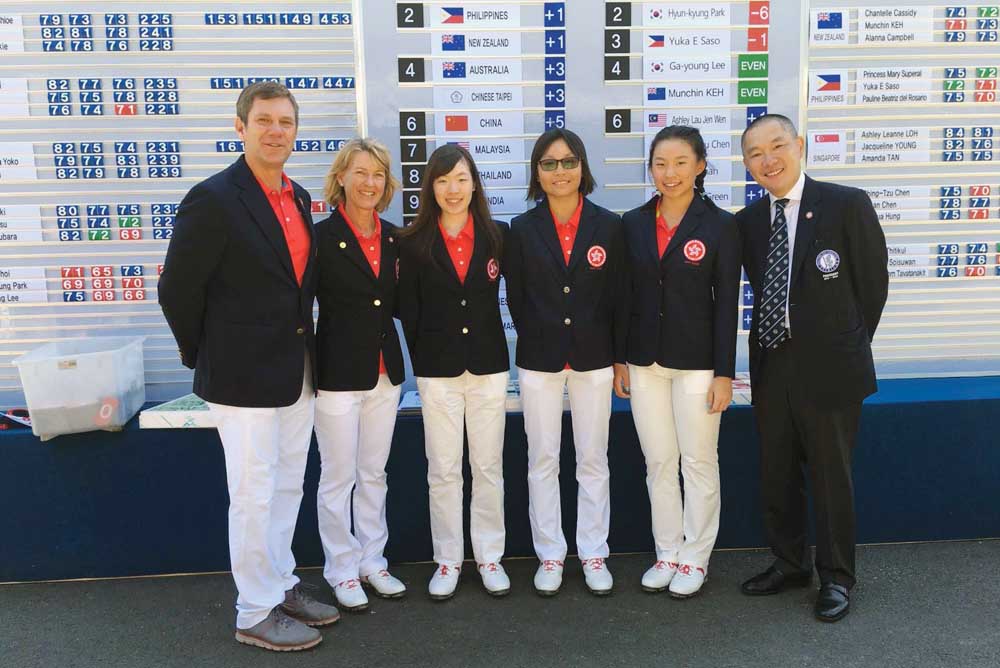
(816, 258)
(237, 290)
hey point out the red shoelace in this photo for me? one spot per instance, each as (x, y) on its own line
(350, 584)
(550, 565)
(595, 564)
(492, 567)
(686, 569)
(663, 565)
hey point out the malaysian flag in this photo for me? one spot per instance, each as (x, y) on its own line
(657, 120)
(462, 144)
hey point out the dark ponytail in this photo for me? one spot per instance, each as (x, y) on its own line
(693, 138)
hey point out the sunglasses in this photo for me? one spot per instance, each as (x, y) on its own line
(550, 164)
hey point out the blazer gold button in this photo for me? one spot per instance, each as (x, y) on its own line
(566, 289)
(343, 244)
(377, 302)
(567, 322)
(300, 331)
(465, 330)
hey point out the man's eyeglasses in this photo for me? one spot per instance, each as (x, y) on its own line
(550, 164)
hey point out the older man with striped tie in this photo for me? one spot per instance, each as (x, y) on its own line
(816, 258)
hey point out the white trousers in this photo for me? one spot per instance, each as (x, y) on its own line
(354, 432)
(449, 404)
(590, 409)
(266, 451)
(671, 416)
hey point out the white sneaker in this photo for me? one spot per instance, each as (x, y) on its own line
(688, 581)
(548, 577)
(444, 581)
(384, 584)
(350, 595)
(659, 575)
(598, 577)
(495, 579)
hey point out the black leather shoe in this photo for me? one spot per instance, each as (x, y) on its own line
(833, 603)
(773, 581)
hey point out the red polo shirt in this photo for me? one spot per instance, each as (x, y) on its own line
(663, 233)
(460, 247)
(372, 248)
(567, 231)
(292, 223)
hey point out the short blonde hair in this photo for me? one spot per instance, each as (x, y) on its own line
(333, 192)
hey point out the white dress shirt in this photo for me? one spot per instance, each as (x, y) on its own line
(794, 197)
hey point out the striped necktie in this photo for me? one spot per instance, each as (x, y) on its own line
(771, 330)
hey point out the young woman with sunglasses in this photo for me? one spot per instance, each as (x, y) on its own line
(449, 276)
(563, 271)
(683, 256)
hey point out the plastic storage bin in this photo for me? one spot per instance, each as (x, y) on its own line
(83, 385)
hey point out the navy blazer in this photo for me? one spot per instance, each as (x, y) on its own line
(577, 313)
(229, 293)
(685, 305)
(452, 326)
(355, 309)
(833, 310)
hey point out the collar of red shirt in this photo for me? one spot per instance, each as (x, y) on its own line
(574, 220)
(467, 232)
(286, 185)
(357, 233)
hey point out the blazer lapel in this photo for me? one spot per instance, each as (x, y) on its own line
(348, 245)
(805, 226)
(584, 234)
(688, 226)
(262, 214)
(545, 226)
(477, 263)
(440, 255)
(647, 229)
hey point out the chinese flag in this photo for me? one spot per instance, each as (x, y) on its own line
(456, 123)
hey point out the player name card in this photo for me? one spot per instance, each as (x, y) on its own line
(910, 272)
(684, 15)
(476, 44)
(689, 95)
(893, 85)
(895, 25)
(507, 176)
(827, 88)
(20, 217)
(707, 121)
(11, 34)
(900, 203)
(902, 255)
(17, 162)
(20, 285)
(13, 98)
(492, 71)
(828, 27)
(826, 147)
(661, 68)
(461, 16)
(495, 150)
(478, 97)
(889, 145)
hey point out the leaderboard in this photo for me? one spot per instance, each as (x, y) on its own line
(915, 126)
(490, 77)
(110, 113)
(703, 64)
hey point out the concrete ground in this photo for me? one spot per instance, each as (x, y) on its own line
(933, 604)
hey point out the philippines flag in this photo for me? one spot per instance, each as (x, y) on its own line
(452, 15)
(829, 20)
(456, 123)
(656, 41)
(829, 83)
(657, 120)
(827, 138)
(453, 42)
(453, 70)
(656, 93)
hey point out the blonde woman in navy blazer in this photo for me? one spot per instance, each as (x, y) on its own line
(449, 278)
(563, 270)
(360, 371)
(683, 255)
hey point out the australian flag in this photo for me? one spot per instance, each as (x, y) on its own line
(453, 70)
(453, 42)
(829, 20)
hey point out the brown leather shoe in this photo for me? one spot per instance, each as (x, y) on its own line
(279, 633)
